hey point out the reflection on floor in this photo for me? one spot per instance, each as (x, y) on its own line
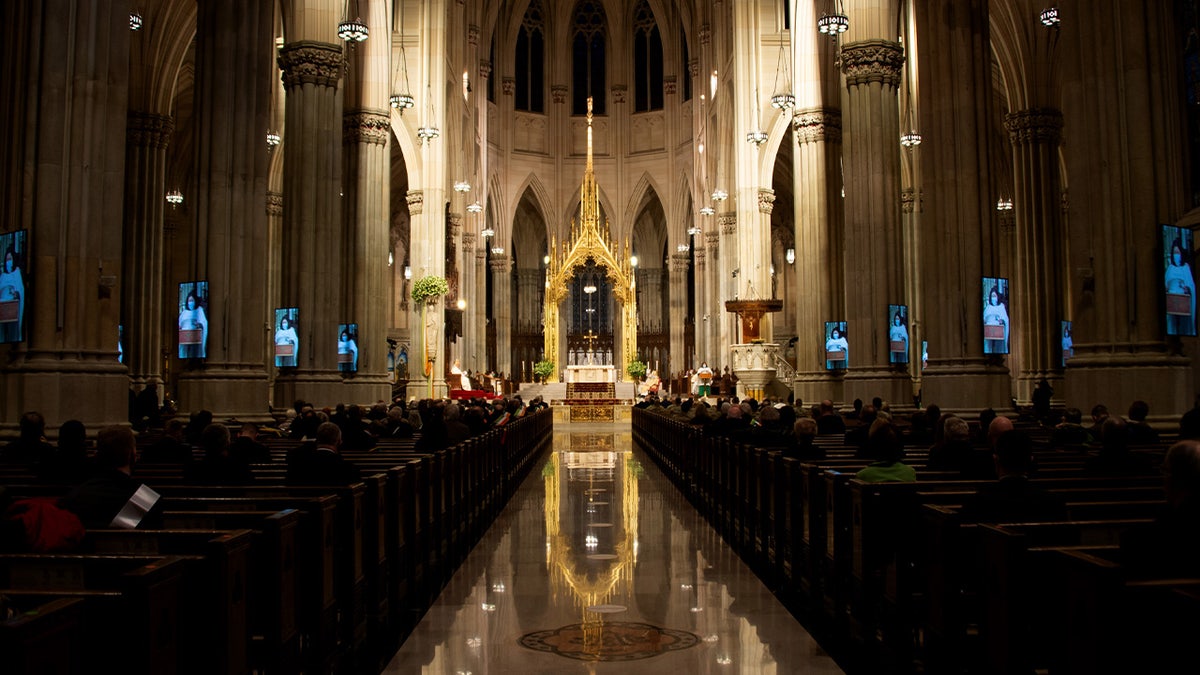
(599, 565)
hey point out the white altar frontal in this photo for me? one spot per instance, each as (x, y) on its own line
(591, 373)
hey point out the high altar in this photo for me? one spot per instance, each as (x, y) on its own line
(589, 242)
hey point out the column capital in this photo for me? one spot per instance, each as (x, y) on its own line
(813, 125)
(1034, 125)
(485, 68)
(680, 262)
(669, 85)
(473, 35)
(456, 221)
(712, 240)
(499, 263)
(366, 126)
(468, 243)
(700, 256)
(872, 61)
(619, 92)
(694, 68)
(416, 202)
(145, 129)
(910, 200)
(727, 222)
(766, 200)
(559, 93)
(274, 203)
(308, 62)
(508, 85)
(705, 34)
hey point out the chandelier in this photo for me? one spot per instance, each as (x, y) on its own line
(682, 248)
(911, 139)
(474, 207)
(174, 198)
(272, 139)
(353, 31)
(462, 186)
(719, 195)
(833, 22)
(783, 99)
(428, 133)
(135, 20)
(694, 230)
(706, 211)
(756, 137)
(497, 250)
(1004, 204)
(1049, 17)
(401, 102)
(487, 232)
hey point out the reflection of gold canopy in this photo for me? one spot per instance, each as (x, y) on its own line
(587, 241)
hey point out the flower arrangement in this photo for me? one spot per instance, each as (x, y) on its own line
(543, 369)
(429, 288)
(636, 369)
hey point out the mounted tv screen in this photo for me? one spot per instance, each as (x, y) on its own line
(837, 349)
(1179, 285)
(193, 320)
(347, 347)
(14, 285)
(995, 315)
(897, 333)
(287, 341)
(1068, 344)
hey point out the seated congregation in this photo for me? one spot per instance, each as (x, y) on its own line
(930, 542)
(311, 546)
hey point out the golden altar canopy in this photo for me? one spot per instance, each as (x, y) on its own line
(590, 241)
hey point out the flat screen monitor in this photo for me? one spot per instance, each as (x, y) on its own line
(287, 341)
(14, 285)
(347, 347)
(120, 343)
(996, 322)
(897, 321)
(1068, 344)
(837, 349)
(193, 320)
(924, 355)
(1179, 285)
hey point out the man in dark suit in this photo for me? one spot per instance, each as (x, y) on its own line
(1170, 546)
(1013, 498)
(322, 464)
(99, 499)
(830, 422)
(246, 447)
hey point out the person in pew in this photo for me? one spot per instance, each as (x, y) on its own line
(321, 463)
(1189, 423)
(100, 498)
(1115, 458)
(1170, 547)
(71, 463)
(999, 426)
(986, 417)
(805, 448)
(397, 424)
(171, 448)
(196, 425)
(1071, 430)
(30, 447)
(354, 431)
(1140, 433)
(733, 421)
(884, 446)
(246, 448)
(830, 422)
(457, 431)
(218, 467)
(858, 435)
(1099, 414)
(1013, 498)
(957, 453)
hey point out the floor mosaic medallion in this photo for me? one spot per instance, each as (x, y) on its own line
(609, 641)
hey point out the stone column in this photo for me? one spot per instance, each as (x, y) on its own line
(818, 226)
(313, 244)
(471, 340)
(66, 92)
(700, 312)
(714, 308)
(1040, 243)
(650, 309)
(729, 328)
(1121, 98)
(274, 270)
(142, 291)
(957, 229)
(502, 311)
(874, 275)
(481, 318)
(678, 289)
(232, 113)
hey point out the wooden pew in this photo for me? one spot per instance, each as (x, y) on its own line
(131, 603)
(42, 637)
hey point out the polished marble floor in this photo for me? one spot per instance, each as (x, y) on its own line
(599, 565)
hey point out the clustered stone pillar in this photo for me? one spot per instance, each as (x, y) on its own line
(70, 200)
(502, 311)
(472, 342)
(956, 221)
(678, 289)
(818, 207)
(232, 36)
(368, 165)
(700, 313)
(714, 311)
(873, 236)
(312, 217)
(142, 292)
(1040, 242)
(1120, 93)
(730, 329)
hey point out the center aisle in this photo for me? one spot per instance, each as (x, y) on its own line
(599, 565)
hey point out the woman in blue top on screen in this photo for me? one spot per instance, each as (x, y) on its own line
(837, 343)
(898, 332)
(12, 289)
(995, 314)
(286, 335)
(1179, 281)
(192, 318)
(346, 345)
